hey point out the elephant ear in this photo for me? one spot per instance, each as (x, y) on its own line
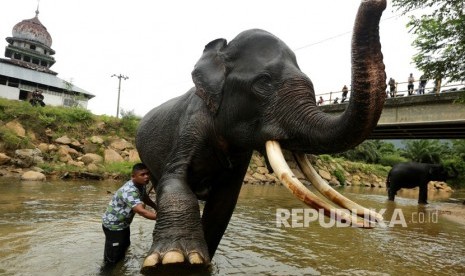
(209, 74)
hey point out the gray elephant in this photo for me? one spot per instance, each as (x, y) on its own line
(249, 95)
(411, 174)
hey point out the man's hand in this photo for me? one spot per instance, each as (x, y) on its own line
(139, 209)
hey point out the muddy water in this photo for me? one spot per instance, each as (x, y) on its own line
(54, 228)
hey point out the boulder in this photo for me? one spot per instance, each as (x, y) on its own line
(65, 140)
(91, 158)
(121, 144)
(16, 127)
(43, 147)
(33, 176)
(133, 156)
(324, 174)
(111, 156)
(96, 140)
(25, 158)
(4, 158)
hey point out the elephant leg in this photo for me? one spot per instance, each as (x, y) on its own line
(221, 203)
(392, 191)
(423, 196)
(178, 236)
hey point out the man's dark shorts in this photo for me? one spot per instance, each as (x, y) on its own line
(116, 243)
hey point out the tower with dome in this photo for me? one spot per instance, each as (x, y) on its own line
(26, 68)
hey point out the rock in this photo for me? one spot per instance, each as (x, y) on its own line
(65, 140)
(92, 167)
(25, 158)
(79, 164)
(334, 182)
(96, 140)
(43, 147)
(111, 156)
(4, 159)
(33, 176)
(324, 174)
(133, 156)
(258, 160)
(16, 127)
(63, 154)
(262, 170)
(121, 145)
(91, 158)
(66, 150)
(91, 148)
(260, 177)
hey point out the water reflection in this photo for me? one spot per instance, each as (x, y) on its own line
(54, 229)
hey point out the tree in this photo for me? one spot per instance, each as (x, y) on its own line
(426, 151)
(440, 37)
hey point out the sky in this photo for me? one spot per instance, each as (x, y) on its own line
(157, 43)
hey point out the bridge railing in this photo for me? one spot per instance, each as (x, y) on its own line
(330, 97)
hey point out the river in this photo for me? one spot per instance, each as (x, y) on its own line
(54, 228)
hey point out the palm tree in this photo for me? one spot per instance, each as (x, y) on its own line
(425, 151)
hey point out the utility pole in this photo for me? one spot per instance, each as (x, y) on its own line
(120, 76)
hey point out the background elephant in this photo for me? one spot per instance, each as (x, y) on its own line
(411, 174)
(247, 94)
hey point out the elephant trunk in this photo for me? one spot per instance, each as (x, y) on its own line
(325, 133)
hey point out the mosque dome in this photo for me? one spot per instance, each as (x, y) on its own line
(32, 29)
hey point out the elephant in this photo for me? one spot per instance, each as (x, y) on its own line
(250, 95)
(412, 174)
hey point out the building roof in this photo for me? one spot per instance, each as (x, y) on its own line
(17, 72)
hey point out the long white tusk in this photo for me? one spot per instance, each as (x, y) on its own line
(285, 175)
(323, 187)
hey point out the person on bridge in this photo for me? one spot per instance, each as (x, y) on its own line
(392, 87)
(422, 85)
(410, 85)
(321, 101)
(345, 90)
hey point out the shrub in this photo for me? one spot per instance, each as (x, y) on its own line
(339, 176)
(392, 159)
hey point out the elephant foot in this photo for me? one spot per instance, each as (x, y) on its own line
(174, 261)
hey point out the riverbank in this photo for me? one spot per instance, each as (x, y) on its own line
(72, 143)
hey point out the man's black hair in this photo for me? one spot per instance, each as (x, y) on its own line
(139, 167)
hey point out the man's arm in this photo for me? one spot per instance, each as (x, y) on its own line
(139, 209)
(147, 200)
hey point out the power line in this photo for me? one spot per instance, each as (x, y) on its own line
(336, 36)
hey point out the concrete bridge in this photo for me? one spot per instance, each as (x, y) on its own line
(428, 116)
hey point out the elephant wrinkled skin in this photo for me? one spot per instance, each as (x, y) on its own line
(249, 93)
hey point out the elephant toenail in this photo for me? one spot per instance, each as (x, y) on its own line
(173, 257)
(151, 260)
(195, 258)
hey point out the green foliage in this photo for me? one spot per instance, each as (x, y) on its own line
(120, 168)
(325, 157)
(370, 151)
(440, 39)
(391, 159)
(11, 140)
(425, 151)
(339, 176)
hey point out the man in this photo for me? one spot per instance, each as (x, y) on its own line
(345, 90)
(121, 210)
(410, 86)
(422, 85)
(392, 87)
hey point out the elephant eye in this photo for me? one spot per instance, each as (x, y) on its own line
(262, 85)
